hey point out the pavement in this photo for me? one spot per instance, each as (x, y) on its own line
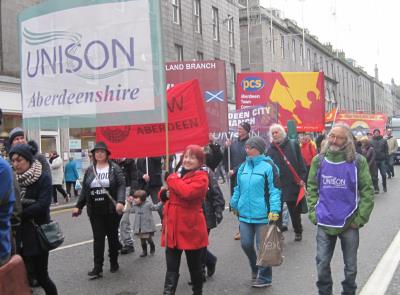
(69, 263)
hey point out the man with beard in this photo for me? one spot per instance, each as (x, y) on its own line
(340, 200)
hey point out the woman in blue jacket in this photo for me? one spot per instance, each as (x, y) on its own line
(249, 201)
(71, 176)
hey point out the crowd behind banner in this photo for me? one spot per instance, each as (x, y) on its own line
(112, 190)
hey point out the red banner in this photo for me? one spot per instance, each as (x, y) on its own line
(300, 96)
(212, 78)
(187, 124)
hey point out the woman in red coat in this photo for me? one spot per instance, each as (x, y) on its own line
(184, 224)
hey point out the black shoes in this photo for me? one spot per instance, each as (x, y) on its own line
(127, 249)
(298, 237)
(152, 248)
(95, 273)
(284, 228)
(114, 267)
(211, 269)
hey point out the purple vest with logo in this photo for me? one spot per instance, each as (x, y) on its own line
(338, 198)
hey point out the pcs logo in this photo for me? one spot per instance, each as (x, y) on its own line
(252, 84)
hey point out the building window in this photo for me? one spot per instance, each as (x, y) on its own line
(231, 31)
(293, 49)
(309, 59)
(232, 79)
(176, 11)
(282, 46)
(197, 16)
(301, 54)
(321, 63)
(315, 61)
(179, 52)
(215, 22)
(200, 55)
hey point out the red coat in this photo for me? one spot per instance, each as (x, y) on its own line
(184, 224)
(308, 152)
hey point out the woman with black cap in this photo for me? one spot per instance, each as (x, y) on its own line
(103, 192)
(35, 192)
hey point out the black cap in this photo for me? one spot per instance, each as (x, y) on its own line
(24, 150)
(100, 145)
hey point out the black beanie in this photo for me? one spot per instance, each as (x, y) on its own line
(24, 150)
(246, 126)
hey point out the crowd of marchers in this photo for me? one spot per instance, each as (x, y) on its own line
(338, 175)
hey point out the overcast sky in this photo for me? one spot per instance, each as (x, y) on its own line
(367, 30)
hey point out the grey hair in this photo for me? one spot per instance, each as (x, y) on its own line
(276, 126)
(349, 146)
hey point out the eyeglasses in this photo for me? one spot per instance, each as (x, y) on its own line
(333, 136)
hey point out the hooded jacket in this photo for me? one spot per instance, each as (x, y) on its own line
(248, 198)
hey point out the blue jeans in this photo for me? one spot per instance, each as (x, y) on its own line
(247, 233)
(349, 240)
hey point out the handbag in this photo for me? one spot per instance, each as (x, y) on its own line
(78, 185)
(49, 235)
(270, 253)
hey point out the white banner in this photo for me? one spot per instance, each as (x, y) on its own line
(89, 60)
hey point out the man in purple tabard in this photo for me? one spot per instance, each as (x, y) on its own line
(340, 200)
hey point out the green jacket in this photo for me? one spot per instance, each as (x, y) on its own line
(365, 190)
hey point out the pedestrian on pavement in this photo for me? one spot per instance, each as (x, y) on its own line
(150, 180)
(71, 176)
(17, 136)
(392, 149)
(237, 156)
(103, 193)
(144, 226)
(184, 225)
(340, 201)
(57, 175)
(256, 201)
(369, 153)
(287, 156)
(35, 192)
(381, 155)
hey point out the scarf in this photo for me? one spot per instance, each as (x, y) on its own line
(29, 177)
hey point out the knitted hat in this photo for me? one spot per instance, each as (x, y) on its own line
(100, 145)
(258, 143)
(246, 126)
(24, 150)
(17, 131)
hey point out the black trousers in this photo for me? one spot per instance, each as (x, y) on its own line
(295, 216)
(58, 187)
(193, 258)
(39, 266)
(102, 226)
(70, 184)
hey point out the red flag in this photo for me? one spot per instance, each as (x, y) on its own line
(301, 194)
(187, 124)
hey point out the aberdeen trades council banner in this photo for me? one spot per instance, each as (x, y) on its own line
(88, 63)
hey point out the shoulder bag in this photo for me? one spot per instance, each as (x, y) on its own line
(49, 235)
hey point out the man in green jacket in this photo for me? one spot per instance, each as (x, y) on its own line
(340, 201)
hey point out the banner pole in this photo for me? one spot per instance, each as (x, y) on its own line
(147, 165)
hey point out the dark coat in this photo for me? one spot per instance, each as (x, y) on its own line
(213, 155)
(116, 189)
(381, 148)
(237, 154)
(39, 211)
(290, 189)
(214, 203)
(155, 172)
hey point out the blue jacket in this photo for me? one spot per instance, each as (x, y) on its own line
(70, 171)
(7, 199)
(249, 195)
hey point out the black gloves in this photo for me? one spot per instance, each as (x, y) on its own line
(164, 196)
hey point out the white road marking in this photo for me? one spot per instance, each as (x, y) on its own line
(381, 277)
(81, 243)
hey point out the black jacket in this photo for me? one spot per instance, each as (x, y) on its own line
(40, 193)
(214, 204)
(381, 148)
(290, 189)
(116, 189)
(213, 155)
(238, 154)
(155, 172)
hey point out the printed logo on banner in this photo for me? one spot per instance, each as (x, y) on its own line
(216, 96)
(252, 84)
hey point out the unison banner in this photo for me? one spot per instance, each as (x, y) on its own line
(212, 78)
(300, 96)
(91, 63)
(187, 124)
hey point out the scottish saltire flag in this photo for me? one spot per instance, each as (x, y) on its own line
(214, 96)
